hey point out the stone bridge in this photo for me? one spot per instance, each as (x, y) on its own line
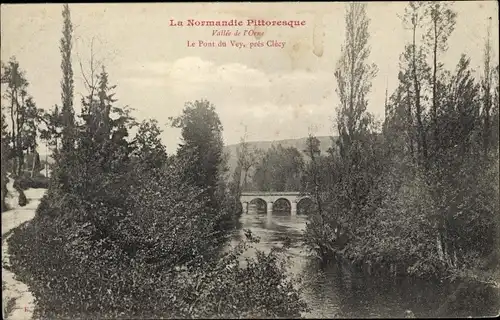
(269, 198)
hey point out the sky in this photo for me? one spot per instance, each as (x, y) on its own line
(275, 93)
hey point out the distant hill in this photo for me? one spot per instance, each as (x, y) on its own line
(299, 144)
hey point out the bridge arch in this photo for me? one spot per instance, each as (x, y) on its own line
(304, 205)
(282, 205)
(258, 203)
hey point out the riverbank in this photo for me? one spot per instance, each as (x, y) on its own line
(18, 301)
(461, 293)
(347, 290)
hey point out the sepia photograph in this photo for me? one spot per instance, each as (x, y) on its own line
(257, 160)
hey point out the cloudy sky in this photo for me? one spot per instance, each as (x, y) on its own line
(277, 93)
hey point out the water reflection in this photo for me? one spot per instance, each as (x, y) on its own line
(338, 291)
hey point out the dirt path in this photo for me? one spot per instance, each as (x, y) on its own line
(18, 302)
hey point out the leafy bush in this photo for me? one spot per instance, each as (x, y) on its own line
(4, 193)
(72, 274)
(320, 236)
(258, 289)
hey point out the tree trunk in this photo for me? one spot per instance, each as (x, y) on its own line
(434, 91)
(21, 162)
(410, 124)
(46, 162)
(488, 99)
(19, 151)
(486, 131)
(316, 183)
(422, 145)
(14, 138)
(33, 166)
(245, 180)
(486, 116)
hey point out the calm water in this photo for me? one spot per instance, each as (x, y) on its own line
(338, 291)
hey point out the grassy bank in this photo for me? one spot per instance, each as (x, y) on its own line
(106, 286)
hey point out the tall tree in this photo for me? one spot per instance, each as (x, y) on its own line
(487, 95)
(460, 111)
(354, 75)
(398, 133)
(67, 85)
(201, 148)
(442, 23)
(29, 134)
(52, 132)
(101, 150)
(5, 152)
(246, 160)
(99, 126)
(413, 18)
(404, 102)
(149, 149)
(495, 109)
(22, 112)
(313, 152)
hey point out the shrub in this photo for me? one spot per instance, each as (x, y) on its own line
(258, 289)
(73, 275)
(4, 193)
(320, 236)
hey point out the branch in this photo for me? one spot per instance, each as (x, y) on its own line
(87, 83)
(90, 80)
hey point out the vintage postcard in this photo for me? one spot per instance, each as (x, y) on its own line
(250, 160)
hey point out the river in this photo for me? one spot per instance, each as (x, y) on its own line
(339, 291)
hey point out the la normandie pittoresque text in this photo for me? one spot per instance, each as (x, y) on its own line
(246, 37)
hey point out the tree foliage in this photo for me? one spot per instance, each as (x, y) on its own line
(67, 86)
(280, 169)
(23, 113)
(203, 161)
(247, 159)
(5, 151)
(419, 197)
